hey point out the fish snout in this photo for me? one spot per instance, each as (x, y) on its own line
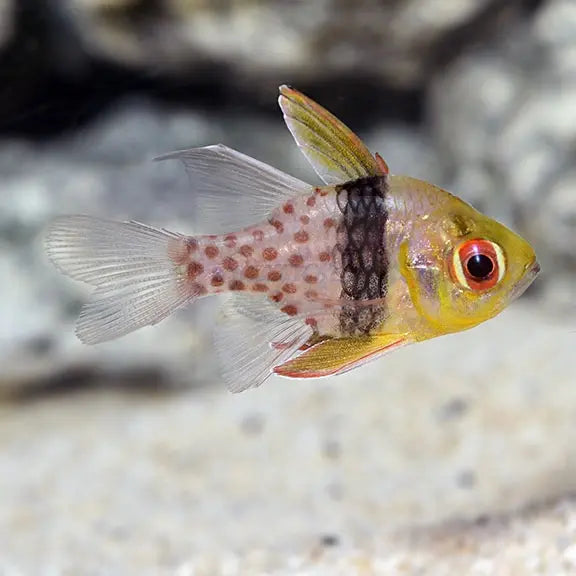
(534, 269)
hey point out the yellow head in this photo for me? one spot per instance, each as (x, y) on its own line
(462, 267)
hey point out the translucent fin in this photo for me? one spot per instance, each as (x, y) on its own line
(339, 355)
(243, 340)
(136, 282)
(232, 190)
(335, 152)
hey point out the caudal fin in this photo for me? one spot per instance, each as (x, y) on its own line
(137, 283)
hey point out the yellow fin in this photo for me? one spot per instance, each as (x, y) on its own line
(335, 152)
(339, 355)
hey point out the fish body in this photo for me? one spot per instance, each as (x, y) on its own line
(321, 278)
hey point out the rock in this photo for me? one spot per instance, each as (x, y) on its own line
(406, 465)
(407, 150)
(70, 58)
(267, 43)
(6, 22)
(504, 124)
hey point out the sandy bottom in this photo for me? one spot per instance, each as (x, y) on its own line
(414, 464)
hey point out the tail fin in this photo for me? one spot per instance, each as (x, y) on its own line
(137, 283)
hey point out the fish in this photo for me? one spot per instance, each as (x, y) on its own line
(319, 279)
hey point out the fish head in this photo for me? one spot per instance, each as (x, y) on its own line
(462, 267)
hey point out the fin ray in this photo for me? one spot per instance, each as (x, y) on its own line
(136, 282)
(243, 341)
(339, 355)
(232, 190)
(334, 151)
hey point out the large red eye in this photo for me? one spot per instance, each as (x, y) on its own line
(478, 264)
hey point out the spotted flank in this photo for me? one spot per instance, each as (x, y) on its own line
(319, 279)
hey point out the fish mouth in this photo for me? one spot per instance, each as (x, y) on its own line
(532, 270)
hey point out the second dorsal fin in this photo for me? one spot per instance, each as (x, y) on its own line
(231, 190)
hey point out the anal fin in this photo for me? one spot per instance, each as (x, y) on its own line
(339, 355)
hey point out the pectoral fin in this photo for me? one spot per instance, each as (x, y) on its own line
(335, 152)
(340, 355)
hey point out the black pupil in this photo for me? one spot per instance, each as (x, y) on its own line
(480, 266)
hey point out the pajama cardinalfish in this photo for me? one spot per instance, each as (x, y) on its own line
(320, 279)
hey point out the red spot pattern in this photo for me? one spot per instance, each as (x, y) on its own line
(324, 256)
(311, 201)
(301, 237)
(274, 276)
(229, 264)
(237, 285)
(260, 287)
(277, 225)
(194, 269)
(296, 260)
(311, 279)
(251, 272)
(329, 223)
(258, 235)
(289, 288)
(217, 280)
(277, 297)
(246, 250)
(312, 322)
(211, 251)
(230, 241)
(311, 294)
(288, 208)
(269, 254)
(305, 219)
(197, 289)
(289, 309)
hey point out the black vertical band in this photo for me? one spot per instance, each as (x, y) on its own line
(361, 243)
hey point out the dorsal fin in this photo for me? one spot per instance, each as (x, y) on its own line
(335, 152)
(231, 190)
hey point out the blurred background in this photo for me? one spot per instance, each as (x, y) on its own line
(456, 456)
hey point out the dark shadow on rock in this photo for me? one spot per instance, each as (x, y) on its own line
(147, 382)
